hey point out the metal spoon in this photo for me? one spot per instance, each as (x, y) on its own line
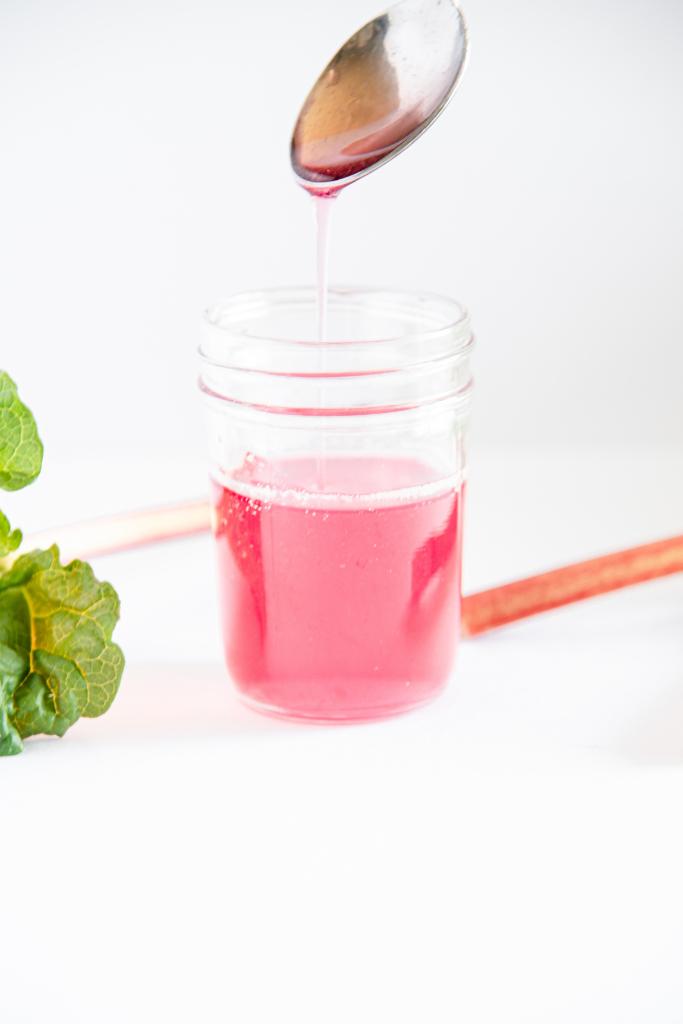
(378, 93)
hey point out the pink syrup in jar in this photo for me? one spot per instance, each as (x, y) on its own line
(340, 595)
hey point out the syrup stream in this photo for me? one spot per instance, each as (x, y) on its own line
(323, 208)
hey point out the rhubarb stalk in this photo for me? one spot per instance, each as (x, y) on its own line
(489, 609)
(482, 611)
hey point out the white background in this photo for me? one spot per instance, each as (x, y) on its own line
(512, 853)
(145, 174)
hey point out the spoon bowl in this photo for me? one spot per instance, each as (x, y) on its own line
(380, 91)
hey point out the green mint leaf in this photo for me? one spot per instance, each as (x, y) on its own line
(59, 620)
(51, 699)
(9, 539)
(21, 450)
(12, 668)
(27, 565)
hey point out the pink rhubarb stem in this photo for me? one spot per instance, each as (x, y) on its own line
(500, 605)
(483, 611)
(111, 534)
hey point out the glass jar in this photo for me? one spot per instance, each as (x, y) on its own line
(337, 474)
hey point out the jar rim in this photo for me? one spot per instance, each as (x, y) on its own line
(228, 317)
(372, 368)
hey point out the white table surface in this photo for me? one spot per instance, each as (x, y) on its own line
(513, 852)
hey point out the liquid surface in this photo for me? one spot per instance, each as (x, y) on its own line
(338, 605)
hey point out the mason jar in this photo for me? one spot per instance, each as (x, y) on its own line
(337, 478)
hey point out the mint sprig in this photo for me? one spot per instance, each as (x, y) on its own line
(57, 658)
(21, 450)
(9, 539)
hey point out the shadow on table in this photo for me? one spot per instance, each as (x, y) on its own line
(158, 702)
(657, 736)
